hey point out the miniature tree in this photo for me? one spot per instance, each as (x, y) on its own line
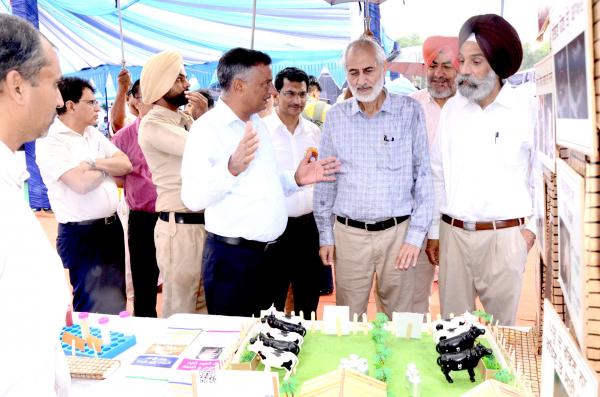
(289, 386)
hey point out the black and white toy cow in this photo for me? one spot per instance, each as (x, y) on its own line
(275, 333)
(262, 339)
(273, 358)
(449, 327)
(461, 342)
(275, 322)
(466, 359)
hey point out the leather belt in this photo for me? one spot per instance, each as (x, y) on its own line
(100, 221)
(373, 227)
(474, 226)
(241, 242)
(192, 218)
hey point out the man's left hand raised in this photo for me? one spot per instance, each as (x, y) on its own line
(407, 257)
(316, 171)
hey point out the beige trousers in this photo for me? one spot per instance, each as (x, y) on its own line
(486, 263)
(360, 255)
(425, 273)
(179, 250)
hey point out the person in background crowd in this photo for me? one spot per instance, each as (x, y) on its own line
(382, 201)
(295, 258)
(179, 233)
(229, 168)
(440, 56)
(140, 195)
(482, 163)
(77, 164)
(315, 109)
(34, 296)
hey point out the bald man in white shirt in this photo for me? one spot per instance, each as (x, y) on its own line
(481, 162)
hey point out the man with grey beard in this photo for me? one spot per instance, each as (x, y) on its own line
(440, 57)
(481, 162)
(382, 199)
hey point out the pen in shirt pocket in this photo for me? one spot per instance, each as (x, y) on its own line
(388, 139)
(496, 137)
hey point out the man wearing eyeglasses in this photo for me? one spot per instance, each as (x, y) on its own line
(440, 57)
(295, 258)
(179, 232)
(77, 164)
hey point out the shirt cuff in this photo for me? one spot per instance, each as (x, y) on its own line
(288, 181)
(414, 237)
(326, 237)
(434, 231)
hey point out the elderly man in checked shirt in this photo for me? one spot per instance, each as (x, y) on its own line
(382, 200)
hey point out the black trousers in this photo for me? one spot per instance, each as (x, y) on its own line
(295, 259)
(234, 279)
(95, 257)
(142, 257)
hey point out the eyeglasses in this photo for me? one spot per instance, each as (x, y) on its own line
(294, 94)
(91, 102)
(139, 97)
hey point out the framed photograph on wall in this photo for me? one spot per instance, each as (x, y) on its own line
(545, 137)
(570, 196)
(564, 371)
(572, 49)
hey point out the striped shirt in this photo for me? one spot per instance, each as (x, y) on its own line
(385, 167)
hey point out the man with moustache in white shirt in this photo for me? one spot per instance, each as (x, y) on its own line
(295, 258)
(482, 162)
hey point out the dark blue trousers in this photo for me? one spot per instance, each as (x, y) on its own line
(295, 260)
(142, 257)
(235, 280)
(95, 257)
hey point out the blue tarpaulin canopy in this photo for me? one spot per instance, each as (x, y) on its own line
(309, 34)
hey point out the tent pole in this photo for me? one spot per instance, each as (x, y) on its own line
(121, 33)
(253, 24)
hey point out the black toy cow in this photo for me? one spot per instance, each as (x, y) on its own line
(466, 359)
(275, 343)
(460, 342)
(274, 322)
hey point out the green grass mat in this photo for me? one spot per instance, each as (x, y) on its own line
(321, 354)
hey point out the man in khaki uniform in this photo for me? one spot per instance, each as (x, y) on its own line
(179, 233)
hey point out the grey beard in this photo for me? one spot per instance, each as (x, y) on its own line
(476, 90)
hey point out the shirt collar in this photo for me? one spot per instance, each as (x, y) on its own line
(58, 127)
(386, 106)
(14, 167)
(226, 114)
(276, 122)
(170, 116)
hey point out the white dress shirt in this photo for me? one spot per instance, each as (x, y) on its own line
(64, 149)
(290, 149)
(250, 205)
(482, 159)
(33, 294)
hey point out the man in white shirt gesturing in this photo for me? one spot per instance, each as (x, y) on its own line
(229, 169)
(482, 162)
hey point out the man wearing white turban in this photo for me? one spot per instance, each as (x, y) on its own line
(179, 233)
(481, 162)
